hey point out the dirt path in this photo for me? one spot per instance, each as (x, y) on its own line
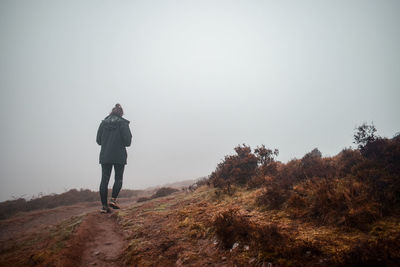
(26, 223)
(96, 241)
(106, 243)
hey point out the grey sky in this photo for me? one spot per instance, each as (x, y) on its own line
(195, 79)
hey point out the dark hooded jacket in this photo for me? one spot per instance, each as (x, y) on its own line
(114, 135)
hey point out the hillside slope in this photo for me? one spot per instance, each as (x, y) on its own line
(197, 228)
(206, 228)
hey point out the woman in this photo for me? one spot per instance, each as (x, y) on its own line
(114, 136)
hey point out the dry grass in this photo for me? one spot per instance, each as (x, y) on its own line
(197, 229)
(41, 248)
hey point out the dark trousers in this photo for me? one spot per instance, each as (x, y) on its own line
(105, 178)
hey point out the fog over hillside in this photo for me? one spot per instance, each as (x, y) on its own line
(195, 78)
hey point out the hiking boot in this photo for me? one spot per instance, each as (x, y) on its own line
(113, 204)
(105, 209)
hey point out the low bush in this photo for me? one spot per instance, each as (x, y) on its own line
(70, 197)
(266, 241)
(143, 199)
(202, 181)
(274, 194)
(244, 168)
(353, 189)
(380, 169)
(344, 202)
(381, 251)
(256, 181)
(313, 165)
(164, 191)
(346, 160)
(290, 173)
(235, 169)
(10, 207)
(231, 227)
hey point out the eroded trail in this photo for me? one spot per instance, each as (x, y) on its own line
(99, 241)
(26, 223)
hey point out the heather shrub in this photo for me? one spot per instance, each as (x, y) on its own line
(289, 173)
(161, 192)
(297, 203)
(380, 169)
(235, 169)
(143, 199)
(277, 188)
(313, 165)
(244, 168)
(266, 166)
(270, 169)
(345, 202)
(265, 156)
(266, 241)
(202, 181)
(378, 251)
(231, 227)
(9, 207)
(353, 188)
(274, 194)
(346, 160)
(256, 181)
(267, 237)
(164, 191)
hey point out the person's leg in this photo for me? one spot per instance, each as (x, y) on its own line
(105, 178)
(119, 172)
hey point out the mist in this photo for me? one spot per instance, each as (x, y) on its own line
(195, 78)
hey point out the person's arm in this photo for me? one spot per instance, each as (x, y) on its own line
(126, 134)
(99, 133)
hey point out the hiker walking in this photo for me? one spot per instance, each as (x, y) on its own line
(113, 136)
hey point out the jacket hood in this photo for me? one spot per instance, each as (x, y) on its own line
(113, 121)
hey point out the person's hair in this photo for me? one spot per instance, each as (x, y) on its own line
(117, 110)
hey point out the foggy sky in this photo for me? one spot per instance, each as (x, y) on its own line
(195, 78)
